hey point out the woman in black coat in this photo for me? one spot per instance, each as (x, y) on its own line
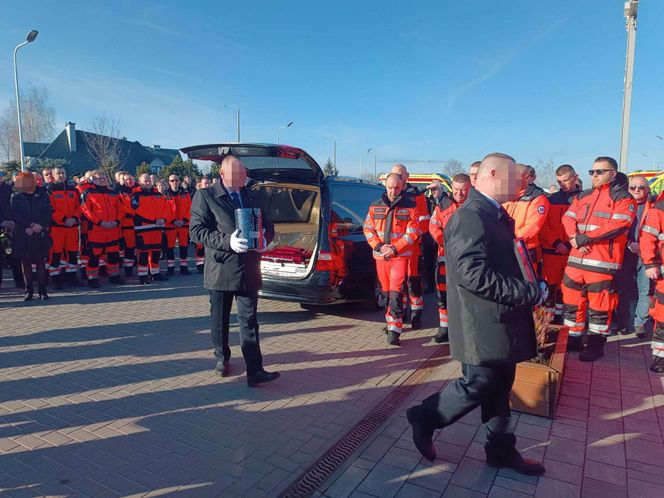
(30, 210)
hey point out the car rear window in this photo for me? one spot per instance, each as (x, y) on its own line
(290, 205)
(350, 204)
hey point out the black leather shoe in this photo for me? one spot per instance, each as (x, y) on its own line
(128, 271)
(184, 270)
(422, 435)
(657, 364)
(393, 338)
(56, 281)
(143, 280)
(28, 295)
(441, 336)
(171, 271)
(261, 377)
(223, 368)
(93, 283)
(640, 331)
(518, 464)
(43, 295)
(416, 321)
(574, 343)
(116, 279)
(594, 349)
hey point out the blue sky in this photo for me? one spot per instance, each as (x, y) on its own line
(417, 81)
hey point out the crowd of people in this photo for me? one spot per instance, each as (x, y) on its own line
(55, 230)
(598, 251)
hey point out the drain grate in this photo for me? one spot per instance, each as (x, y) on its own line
(312, 478)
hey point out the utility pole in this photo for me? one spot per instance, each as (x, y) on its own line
(631, 7)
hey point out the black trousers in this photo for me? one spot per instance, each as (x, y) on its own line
(247, 316)
(486, 387)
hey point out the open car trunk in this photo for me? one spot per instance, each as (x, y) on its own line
(294, 209)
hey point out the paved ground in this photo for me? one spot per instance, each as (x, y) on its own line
(112, 393)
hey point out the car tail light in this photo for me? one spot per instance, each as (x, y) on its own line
(325, 261)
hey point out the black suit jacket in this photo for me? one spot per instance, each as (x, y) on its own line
(489, 302)
(212, 223)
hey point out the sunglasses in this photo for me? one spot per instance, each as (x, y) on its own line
(173, 181)
(637, 187)
(593, 172)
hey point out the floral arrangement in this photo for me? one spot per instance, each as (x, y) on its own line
(5, 242)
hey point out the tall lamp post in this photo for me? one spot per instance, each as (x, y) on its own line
(228, 106)
(281, 128)
(631, 6)
(28, 39)
(370, 149)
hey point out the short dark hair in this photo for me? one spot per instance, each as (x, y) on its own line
(461, 178)
(607, 159)
(564, 169)
(476, 164)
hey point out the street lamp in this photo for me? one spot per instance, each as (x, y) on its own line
(28, 39)
(366, 152)
(282, 127)
(631, 7)
(228, 106)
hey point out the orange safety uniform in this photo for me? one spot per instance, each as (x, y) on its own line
(83, 232)
(598, 219)
(415, 290)
(180, 202)
(651, 245)
(439, 219)
(149, 206)
(553, 263)
(100, 204)
(396, 224)
(66, 203)
(128, 241)
(529, 213)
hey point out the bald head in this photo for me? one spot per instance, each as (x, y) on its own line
(500, 178)
(233, 173)
(393, 186)
(402, 171)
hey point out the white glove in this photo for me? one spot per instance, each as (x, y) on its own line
(237, 244)
(544, 288)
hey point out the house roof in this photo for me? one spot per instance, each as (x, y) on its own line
(33, 149)
(166, 155)
(132, 154)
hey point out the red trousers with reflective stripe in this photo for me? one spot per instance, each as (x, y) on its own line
(65, 248)
(591, 292)
(441, 287)
(553, 268)
(657, 313)
(392, 276)
(415, 291)
(181, 234)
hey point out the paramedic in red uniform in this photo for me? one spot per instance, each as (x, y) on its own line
(414, 279)
(181, 202)
(555, 244)
(596, 225)
(392, 228)
(439, 218)
(66, 203)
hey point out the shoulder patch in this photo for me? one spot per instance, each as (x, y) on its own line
(541, 209)
(631, 208)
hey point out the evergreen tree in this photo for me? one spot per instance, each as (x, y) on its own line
(142, 168)
(329, 169)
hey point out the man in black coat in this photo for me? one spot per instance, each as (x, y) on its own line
(231, 271)
(491, 324)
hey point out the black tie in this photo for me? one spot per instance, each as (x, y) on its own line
(236, 199)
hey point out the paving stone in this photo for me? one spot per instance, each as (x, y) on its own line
(605, 473)
(552, 488)
(498, 492)
(563, 471)
(453, 491)
(434, 476)
(411, 491)
(566, 450)
(514, 485)
(639, 489)
(346, 483)
(384, 480)
(475, 475)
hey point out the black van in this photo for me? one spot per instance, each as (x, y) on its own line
(319, 254)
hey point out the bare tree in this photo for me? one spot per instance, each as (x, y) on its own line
(37, 122)
(104, 143)
(546, 173)
(452, 167)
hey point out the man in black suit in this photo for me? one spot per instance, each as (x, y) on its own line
(491, 324)
(231, 271)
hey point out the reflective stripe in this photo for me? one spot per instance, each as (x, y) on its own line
(595, 327)
(434, 221)
(661, 269)
(587, 228)
(650, 230)
(408, 239)
(657, 349)
(602, 214)
(412, 230)
(380, 233)
(369, 235)
(424, 218)
(440, 259)
(396, 235)
(625, 217)
(660, 236)
(146, 227)
(571, 324)
(571, 214)
(594, 262)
